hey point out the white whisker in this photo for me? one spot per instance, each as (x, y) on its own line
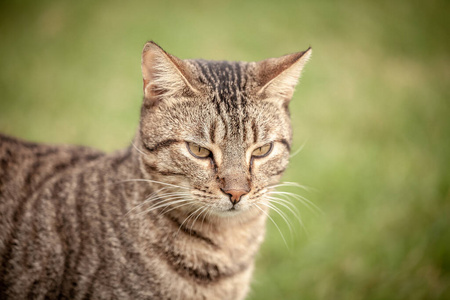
(292, 184)
(299, 149)
(175, 207)
(281, 214)
(208, 212)
(157, 199)
(195, 220)
(187, 218)
(143, 202)
(139, 150)
(274, 223)
(153, 181)
(292, 209)
(301, 199)
(287, 204)
(166, 204)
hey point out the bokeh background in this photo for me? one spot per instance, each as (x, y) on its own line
(372, 113)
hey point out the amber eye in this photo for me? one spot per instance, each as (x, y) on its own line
(262, 151)
(198, 151)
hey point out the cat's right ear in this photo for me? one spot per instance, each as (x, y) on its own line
(165, 76)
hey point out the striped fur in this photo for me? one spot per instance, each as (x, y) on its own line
(152, 221)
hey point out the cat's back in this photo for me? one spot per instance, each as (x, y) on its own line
(25, 166)
(26, 169)
(28, 198)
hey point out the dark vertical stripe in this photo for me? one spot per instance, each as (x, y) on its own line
(41, 281)
(255, 131)
(135, 262)
(15, 233)
(238, 76)
(246, 73)
(61, 208)
(212, 131)
(99, 198)
(79, 201)
(31, 173)
(206, 73)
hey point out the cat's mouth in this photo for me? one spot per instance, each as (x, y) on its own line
(233, 211)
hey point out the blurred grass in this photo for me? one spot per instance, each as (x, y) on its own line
(372, 109)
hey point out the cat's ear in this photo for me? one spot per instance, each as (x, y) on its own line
(164, 75)
(278, 77)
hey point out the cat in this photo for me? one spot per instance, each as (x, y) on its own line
(180, 214)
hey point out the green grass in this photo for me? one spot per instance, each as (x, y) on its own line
(372, 109)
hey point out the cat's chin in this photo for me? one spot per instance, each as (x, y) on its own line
(236, 213)
(233, 212)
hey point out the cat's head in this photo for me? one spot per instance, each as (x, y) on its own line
(220, 130)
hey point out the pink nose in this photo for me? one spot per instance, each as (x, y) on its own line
(235, 195)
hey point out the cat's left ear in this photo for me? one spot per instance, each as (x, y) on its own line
(278, 77)
(164, 75)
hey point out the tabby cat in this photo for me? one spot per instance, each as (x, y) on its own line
(180, 214)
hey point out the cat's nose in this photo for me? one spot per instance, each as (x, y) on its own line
(235, 195)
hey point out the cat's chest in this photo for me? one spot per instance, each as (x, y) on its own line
(200, 264)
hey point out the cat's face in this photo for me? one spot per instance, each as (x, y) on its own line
(218, 130)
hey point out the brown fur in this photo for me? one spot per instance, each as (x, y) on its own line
(153, 221)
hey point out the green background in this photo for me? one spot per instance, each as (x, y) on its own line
(372, 111)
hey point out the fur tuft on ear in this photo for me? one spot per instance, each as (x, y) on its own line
(164, 75)
(279, 76)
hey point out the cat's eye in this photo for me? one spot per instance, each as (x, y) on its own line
(262, 151)
(198, 151)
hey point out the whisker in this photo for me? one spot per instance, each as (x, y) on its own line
(139, 150)
(288, 205)
(204, 216)
(143, 202)
(195, 220)
(173, 208)
(168, 200)
(274, 223)
(301, 199)
(188, 217)
(165, 199)
(292, 184)
(162, 198)
(153, 181)
(165, 205)
(292, 209)
(282, 215)
(299, 149)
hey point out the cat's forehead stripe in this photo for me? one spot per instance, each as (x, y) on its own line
(223, 76)
(227, 82)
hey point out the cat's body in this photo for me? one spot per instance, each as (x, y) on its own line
(67, 232)
(178, 215)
